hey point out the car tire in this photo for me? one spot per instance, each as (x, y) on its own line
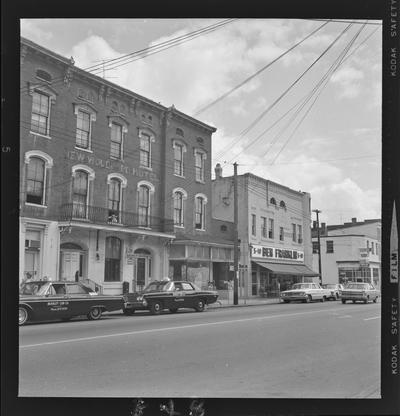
(94, 314)
(343, 301)
(128, 312)
(337, 296)
(323, 299)
(200, 305)
(156, 308)
(366, 300)
(308, 299)
(375, 300)
(23, 316)
(173, 310)
(354, 301)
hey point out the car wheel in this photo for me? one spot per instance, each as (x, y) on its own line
(308, 299)
(128, 312)
(343, 300)
(23, 316)
(354, 301)
(94, 314)
(337, 296)
(323, 299)
(156, 308)
(366, 300)
(375, 300)
(200, 305)
(173, 310)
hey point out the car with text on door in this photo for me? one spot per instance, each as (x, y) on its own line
(360, 292)
(305, 292)
(335, 290)
(167, 294)
(63, 300)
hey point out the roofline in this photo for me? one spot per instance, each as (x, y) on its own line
(116, 87)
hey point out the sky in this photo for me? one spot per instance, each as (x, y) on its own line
(328, 144)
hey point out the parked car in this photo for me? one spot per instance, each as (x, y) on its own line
(172, 295)
(364, 292)
(335, 290)
(53, 300)
(305, 292)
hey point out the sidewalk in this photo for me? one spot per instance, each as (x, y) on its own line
(228, 303)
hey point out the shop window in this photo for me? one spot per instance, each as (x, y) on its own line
(329, 246)
(112, 260)
(35, 181)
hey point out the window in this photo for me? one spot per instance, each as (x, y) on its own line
(178, 159)
(40, 113)
(294, 232)
(329, 246)
(80, 194)
(282, 204)
(299, 234)
(253, 224)
(112, 260)
(83, 130)
(315, 247)
(187, 286)
(199, 213)
(273, 201)
(45, 76)
(35, 180)
(145, 150)
(178, 209)
(264, 227)
(114, 201)
(144, 206)
(199, 165)
(116, 141)
(270, 228)
(372, 247)
(281, 234)
(75, 289)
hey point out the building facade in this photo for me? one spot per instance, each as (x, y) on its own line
(274, 228)
(350, 252)
(112, 183)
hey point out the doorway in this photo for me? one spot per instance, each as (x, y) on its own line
(72, 262)
(142, 269)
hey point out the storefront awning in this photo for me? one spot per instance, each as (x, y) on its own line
(279, 268)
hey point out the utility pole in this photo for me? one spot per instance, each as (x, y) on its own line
(317, 211)
(236, 237)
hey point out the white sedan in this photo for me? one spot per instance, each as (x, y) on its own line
(305, 292)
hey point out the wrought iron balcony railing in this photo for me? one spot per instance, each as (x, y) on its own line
(99, 215)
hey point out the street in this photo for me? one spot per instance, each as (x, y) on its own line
(317, 350)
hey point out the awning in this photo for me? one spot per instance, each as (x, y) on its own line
(279, 268)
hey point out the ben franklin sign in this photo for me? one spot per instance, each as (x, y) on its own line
(263, 252)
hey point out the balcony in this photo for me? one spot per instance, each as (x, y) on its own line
(104, 216)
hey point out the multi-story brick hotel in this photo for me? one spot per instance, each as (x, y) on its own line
(114, 187)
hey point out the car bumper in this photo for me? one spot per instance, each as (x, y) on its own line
(135, 305)
(297, 297)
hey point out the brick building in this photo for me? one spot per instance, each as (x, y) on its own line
(274, 229)
(114, 187)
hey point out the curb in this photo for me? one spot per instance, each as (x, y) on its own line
(221, 306)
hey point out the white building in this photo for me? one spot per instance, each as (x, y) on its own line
(349, 252)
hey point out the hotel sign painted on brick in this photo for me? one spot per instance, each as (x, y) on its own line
(262, 252)
(112, 165)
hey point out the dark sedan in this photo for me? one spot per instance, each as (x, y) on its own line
(172, 295)
(47, 300)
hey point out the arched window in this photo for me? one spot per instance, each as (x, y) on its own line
(282, 204)
(144, 206)
(178, 209)
(114, 201)
(273, 201)
(112, 260)
(35, 181)
(199, 213)
(179, 132)
(80, 194)
(45, 76)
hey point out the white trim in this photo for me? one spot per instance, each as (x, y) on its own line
(38, 153)
(148, 184)
(185, 195)
(118, 176)
(86, 169)
(39, 134)
(151, 136)
(30, 204)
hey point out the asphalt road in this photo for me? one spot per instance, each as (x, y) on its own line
(318, 350)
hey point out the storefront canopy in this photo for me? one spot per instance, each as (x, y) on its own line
(293, 269)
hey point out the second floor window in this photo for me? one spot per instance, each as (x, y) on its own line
(145, 160)
(299, 234)
(294, 232)
(199, 159)
(264, 227)
(178, 159)
(178, 209)
(144, 206)
(116, 141)
(83, 130)
(281, 234)
(40, 113)
(114, 200)
(199, 214)
(35, 179)
(80, 194)
(253, 224)
(315, 247)
(329, 246)
(270, 228)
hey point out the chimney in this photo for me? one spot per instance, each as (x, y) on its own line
(354, 220)
(218, 171)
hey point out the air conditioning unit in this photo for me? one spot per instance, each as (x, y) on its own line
(35, 244)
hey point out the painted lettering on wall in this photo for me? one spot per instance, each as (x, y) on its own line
(111, 165)
(263, 252)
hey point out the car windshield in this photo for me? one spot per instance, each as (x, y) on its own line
(157, 286)
(33, 288)
(361, 286)
(301, 286)
(326, 286)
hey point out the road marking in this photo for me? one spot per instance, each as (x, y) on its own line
(374, 317)
(146, 331)
(344, 316)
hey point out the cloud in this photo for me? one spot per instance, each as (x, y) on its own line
(348, 78)
(32, 30)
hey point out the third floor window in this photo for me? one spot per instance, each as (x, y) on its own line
(116, 141)
(145, 159)
(83, 130)
(40, 113)
(178, 159)
(199, 158)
